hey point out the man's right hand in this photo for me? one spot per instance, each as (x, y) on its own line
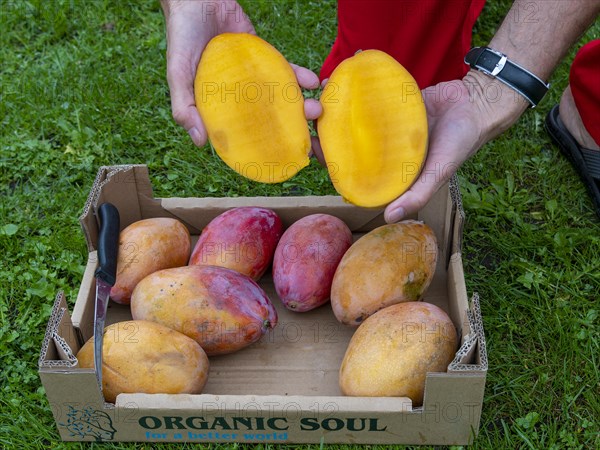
(190, 26)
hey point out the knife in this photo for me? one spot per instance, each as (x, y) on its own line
(108, 247)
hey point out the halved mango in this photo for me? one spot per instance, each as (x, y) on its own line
(253, 108)
(373, 130)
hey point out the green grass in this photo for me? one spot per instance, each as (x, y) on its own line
(83, 85)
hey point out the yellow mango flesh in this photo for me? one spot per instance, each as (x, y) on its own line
(253, 109)
(373, 130)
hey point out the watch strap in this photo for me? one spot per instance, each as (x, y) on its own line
(497, 65)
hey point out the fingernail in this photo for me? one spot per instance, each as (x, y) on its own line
(196, 137)
(395, 215)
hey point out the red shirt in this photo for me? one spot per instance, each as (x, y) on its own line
(428, 37)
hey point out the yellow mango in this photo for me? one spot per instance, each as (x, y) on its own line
(392, 351)
(146, 357)
(391, 264)
(253, 108)
(373, 130)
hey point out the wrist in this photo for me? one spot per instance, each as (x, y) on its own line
(497, 65)
(166, 7)
(499, 105)
(525, 58)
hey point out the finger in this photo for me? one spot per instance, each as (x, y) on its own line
(312, 109)
(307, 79)
(237, 21)
(317, 151)
(183, 103)
(434, 175)
(324, 82)
(411, 201)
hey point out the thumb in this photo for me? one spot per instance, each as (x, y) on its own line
(410, 202)
(316, 149)
(431, 179)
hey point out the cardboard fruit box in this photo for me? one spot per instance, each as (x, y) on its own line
(284, 388)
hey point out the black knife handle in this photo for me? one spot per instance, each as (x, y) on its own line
(108, 242)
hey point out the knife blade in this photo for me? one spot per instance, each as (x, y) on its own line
(108, 247)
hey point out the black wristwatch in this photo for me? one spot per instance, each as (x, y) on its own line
(497, 65)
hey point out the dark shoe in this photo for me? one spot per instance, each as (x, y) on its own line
(585, 161)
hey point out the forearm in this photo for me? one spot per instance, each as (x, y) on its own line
(535, 35)
(538, 34)
(170, 5)
(165, 7)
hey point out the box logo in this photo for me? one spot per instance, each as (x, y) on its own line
(89, 422)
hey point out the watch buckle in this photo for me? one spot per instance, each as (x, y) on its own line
(499, 66)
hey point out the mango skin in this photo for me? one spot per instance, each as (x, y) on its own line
(146, 246)
(306, 258)
(391, 264)
(146, 357)
(373, 130)
(221, 309)
(253, 108)
(243, 239)
(391, 352)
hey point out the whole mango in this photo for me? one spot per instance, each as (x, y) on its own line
(243, 239)
(146, 246)
(306, 258)
(146, 357)
(391, 264)
(221, 309)
(391, 352)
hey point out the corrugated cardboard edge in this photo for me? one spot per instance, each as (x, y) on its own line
(56, 340)
(459, 215)
(474, 347)
(206, 402)
(128, 182)
(87, 215)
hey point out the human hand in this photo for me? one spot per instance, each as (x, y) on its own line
(190, 26)
(462, 116)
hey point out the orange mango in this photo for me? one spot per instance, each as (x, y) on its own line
(146, 246)
(146, 357)
(391, 264)
(391, 352)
